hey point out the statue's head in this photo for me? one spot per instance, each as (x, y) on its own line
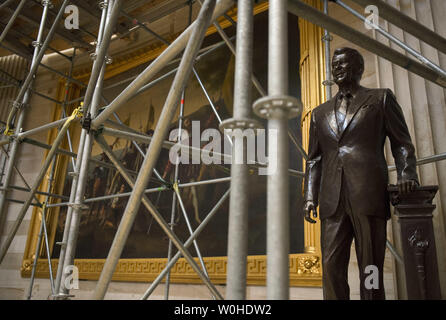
(347, 66)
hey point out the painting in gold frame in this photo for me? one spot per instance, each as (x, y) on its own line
(305, 268)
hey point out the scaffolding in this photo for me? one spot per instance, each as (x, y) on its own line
(275, 105)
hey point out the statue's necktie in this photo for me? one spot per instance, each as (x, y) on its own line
(342, 111)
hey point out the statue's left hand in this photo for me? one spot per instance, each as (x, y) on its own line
(406, 186)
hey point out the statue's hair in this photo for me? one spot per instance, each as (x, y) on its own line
(354, 54)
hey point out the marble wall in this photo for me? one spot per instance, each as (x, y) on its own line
(424, 108)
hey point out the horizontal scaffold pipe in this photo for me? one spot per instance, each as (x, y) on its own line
(324, 21)
(26, 57)
(406, 23)
(39, 57)
(156, 66)
(151, 190)
(71, 154)
(39, 192)
(46, 164)
(108, 197)
(425, 160)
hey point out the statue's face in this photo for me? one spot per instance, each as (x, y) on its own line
(345, 70)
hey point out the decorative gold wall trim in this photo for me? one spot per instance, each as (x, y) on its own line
(305, 269)
(312, 73)
(59, 177)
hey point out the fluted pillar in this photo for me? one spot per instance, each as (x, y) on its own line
(424, 107)
(312, 73)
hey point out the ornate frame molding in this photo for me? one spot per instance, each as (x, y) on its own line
(305, 268)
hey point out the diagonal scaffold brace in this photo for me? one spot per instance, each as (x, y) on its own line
(14, 147)
(157, 65)
(188, 242)
(110, 11)
(75, 116)
(35, 65)
(193, 45)
(124, 226)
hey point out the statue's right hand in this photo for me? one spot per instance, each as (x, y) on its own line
(308, 207)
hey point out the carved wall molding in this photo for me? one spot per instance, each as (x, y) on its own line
(305, 269)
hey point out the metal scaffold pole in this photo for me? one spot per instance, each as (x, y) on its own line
(17, 105)
(54, 285)
(157, 65)
(11, 21)
(75, 174)
(327, 39)
(6, 3)
(110, 11)
(408, 24)
(43, 232)
(277, 186)
(242, 120)
(398, 42)
(189, 241)
(198, 32)
(21, 117)
(254, 79)
(37, 183)
(317, 17)
(277, 107)
(157, 216)
(174, 204)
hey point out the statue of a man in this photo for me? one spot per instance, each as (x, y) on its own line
(346, 173)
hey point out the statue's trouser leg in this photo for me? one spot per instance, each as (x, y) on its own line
(337, 233)
(370, 245)
(336, 240)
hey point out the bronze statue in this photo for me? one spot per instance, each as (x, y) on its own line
(346, 173)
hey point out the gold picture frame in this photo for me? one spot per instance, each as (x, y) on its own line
(305, 268)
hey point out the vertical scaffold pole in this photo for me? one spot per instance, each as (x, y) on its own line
(174, 198)
(55, 288)
(110, 13)
(156, 66)
(327, 38)
(21, 117)
(277, 107)
(241, 121)
(36, 184)
(157, 216)
(43, 232)
(75, 175)
(189, 241)
(161, 130)
(25, 86)
(277, 188)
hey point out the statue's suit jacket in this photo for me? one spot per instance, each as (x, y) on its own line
(354, 155)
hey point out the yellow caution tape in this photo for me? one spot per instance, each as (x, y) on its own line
(43, 208)
(8, 132)
(77, 113)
